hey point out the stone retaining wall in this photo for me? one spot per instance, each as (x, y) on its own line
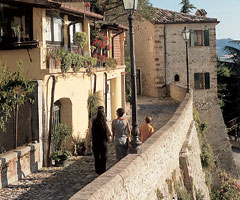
(177, 92)
(140, 176)
(18, 163)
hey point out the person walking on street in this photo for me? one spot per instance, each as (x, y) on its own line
(99, 132)
(121, 134)
(146, 130)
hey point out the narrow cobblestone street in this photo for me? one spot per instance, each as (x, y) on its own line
(62, 182)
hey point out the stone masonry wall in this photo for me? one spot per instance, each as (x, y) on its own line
(201, 58)
(145, 57)
(140, 176)
(18, 163)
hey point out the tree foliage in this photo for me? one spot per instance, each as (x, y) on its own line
(187, 7)
(14, 91)
(113, 9)
(234, 52)
(228, 83)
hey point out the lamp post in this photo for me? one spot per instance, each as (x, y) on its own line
(186, 36)
(131, 6)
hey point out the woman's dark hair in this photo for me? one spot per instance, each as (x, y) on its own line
(120, 112)
(101, 117)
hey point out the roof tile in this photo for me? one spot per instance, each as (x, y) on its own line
(172, 17)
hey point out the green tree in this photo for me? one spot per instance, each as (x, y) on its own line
(228, 82)
(14, 91)
(113, 9)
(234, 52)
(187, 7)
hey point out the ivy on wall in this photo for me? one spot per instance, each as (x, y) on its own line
(15, 90)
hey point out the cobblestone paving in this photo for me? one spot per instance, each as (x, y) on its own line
(62, 182)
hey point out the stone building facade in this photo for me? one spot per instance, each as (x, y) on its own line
(161, 60)
(161, 52)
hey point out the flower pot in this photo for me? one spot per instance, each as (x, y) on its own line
(58, 64)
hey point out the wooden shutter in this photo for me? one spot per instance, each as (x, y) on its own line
(197, 81)
(207, 80)
(192, 38)
(206, 37)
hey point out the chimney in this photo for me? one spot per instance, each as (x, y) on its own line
(201, 13)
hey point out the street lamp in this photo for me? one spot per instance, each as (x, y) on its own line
(186, 36)
(131, 6)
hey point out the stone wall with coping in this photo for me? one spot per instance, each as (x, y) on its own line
(139, 176)
(177, 92)
(18, 163)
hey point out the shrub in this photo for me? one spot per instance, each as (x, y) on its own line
(199, 194)
(80, 39)
(229, 189)
(59, 136)
(159, 194)
(182, 193)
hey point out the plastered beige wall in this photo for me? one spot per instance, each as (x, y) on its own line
(76, 87)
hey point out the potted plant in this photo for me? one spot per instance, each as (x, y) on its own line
(78, 62)
(80, 39)
(57, 55)
(59, 138)
(110, 63)
(79, 146)
(60, 157)
(67, 61)
(17, 32)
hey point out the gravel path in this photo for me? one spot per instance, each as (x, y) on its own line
(62, 182)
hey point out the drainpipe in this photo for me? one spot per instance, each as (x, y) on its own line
(95, 83)
(113, 42)
(165, 54)
(51, 116)
(106, 91)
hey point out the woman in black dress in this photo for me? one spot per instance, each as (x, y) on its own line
(99, 132)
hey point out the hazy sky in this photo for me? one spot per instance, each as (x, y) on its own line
(226, 11)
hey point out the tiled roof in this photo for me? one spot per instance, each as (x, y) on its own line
(69, 8)
(171, 17)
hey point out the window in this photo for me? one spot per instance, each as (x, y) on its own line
(199, 38)
(54, 29)
(202, 80)
(176, 78)
(15, 25)
(73, 29)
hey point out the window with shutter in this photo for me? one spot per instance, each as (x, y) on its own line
(199, 38)
(202, 80)
(206, 38)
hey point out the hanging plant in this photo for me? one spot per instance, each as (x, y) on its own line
(101, 41)
(80, 39)
(110, 63)
(67, 61)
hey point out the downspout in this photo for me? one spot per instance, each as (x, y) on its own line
(113, 42)
(51, 116)
(165, 54)
(106, 91)
(95, 83)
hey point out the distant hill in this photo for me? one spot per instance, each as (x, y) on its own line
(221, 43)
